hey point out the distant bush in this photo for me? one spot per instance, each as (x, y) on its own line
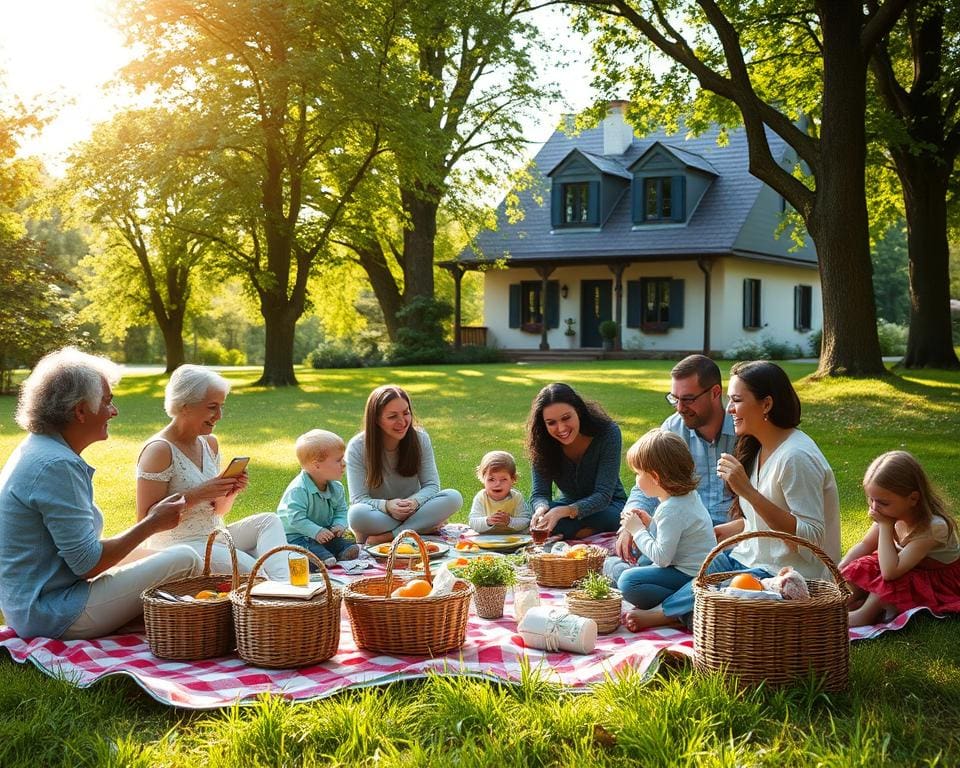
(893, 338)
(815, 342)
(212, 352)
(339, 354)
(401, 355)
(765, 348)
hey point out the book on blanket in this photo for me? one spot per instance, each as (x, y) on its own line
(286, 589)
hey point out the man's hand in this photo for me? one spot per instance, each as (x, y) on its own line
(166, 513)
(323, 536)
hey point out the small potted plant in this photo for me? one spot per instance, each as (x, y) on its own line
(490, 576)
(593, 598)
(608, 332)
(569, 332)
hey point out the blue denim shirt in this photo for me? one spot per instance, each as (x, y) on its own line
(49, 536)
(305, 509)
(714, 494)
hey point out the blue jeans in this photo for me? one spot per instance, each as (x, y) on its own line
(646, 586)
(599, 522)
(333, 548)
(680, 603)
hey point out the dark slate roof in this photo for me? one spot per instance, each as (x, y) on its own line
(711, 230)
(600, 162)
(691, 159)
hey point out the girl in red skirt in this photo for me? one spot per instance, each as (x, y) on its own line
(910, 556)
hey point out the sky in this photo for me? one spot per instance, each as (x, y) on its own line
(65, 51)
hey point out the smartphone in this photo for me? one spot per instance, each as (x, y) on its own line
(235, 467)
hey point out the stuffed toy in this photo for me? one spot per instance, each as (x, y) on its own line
(788, 583)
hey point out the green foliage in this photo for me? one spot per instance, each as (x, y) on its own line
(608, 329)
(595, 586)
(36, 315)
(893, 338)
(815, 340)
(338, 354)
(212, 352)
(495, 572)
(764, 348)
(891, 281)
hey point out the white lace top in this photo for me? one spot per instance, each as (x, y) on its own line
(181, 475)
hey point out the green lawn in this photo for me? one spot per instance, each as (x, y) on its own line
(903, 706)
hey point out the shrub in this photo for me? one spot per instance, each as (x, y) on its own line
(401, 355)
(893, 338)
(765, 348)
(815, 342)
(745, 349)
(608, 329)
(212, 352)
(335, 354)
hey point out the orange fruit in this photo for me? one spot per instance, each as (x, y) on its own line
(460, 562)
(406, 549)
(745, 581)
(205, 594)
(415, 588)
(431, 547)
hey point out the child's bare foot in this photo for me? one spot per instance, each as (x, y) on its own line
(637, 620)
(379, 538)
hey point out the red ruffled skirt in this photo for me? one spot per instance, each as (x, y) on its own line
(928, 585)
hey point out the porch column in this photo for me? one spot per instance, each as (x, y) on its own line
(617, 270)
(544, 273)
(706, 266)
(457, 271)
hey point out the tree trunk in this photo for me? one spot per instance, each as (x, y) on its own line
(418, 244)
(925, 181)
(374, 263)
(838, 221)
(279, 325)
(173, 348)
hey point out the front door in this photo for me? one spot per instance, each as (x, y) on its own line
(596, 305)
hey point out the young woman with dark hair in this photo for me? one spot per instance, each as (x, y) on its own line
(576, 446)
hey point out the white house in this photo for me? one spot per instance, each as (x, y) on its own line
(670, 237)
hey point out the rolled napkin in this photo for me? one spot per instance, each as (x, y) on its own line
(553, 629)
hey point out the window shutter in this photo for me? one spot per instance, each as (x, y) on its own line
(676, 304)
(515, 299)
(678, 196)
(636, 200)
(556, 204)
(593, 203)
(553, 304)
(634, 304)
(798, 307)
(746, 303)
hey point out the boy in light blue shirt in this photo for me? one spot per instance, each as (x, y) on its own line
(314, 507)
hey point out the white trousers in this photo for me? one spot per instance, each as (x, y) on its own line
(114, 598)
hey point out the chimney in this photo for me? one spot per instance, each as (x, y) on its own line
(617, 133)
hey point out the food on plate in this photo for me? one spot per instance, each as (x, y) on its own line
(467, 546)
(431, 547)
(745, 581)
(414, 588)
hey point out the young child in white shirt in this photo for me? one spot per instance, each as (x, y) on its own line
(675, 541)
(499, 507)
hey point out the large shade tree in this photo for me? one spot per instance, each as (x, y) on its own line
(150, 202)
(474, 80)
(742, 56)
(916, 70)
(287, 99)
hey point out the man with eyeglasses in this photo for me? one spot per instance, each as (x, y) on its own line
(707, 429)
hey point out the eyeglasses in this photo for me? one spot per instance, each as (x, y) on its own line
(686, 401)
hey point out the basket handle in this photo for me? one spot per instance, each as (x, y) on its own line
(288, 548)
(424, 556)
(234, 567)
(788, 537)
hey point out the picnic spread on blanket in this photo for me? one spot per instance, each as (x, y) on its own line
(491, 649)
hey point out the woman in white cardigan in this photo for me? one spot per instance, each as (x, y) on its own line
(392, 474)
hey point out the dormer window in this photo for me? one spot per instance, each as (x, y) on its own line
(656, 199)
(576, 204)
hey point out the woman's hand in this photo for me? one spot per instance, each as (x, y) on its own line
(549, 518)
(165, 514)
(731, 471)
(217, 488)
(401, 509)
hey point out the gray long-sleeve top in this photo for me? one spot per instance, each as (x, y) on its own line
(422, 486)
(592, 484)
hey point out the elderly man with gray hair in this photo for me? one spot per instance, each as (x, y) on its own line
(58, 577)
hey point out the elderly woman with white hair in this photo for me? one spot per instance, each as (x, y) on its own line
(58, 577)
(184, 457)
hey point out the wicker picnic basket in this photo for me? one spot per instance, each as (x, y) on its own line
(606, 611)
(772, 641)
(282, 633)
(187, 631)
(424, 626)
(559, 571)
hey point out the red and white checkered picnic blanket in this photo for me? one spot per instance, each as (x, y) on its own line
(493, 650)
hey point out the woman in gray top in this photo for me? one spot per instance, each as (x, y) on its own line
(392, 474)
(574, 445)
